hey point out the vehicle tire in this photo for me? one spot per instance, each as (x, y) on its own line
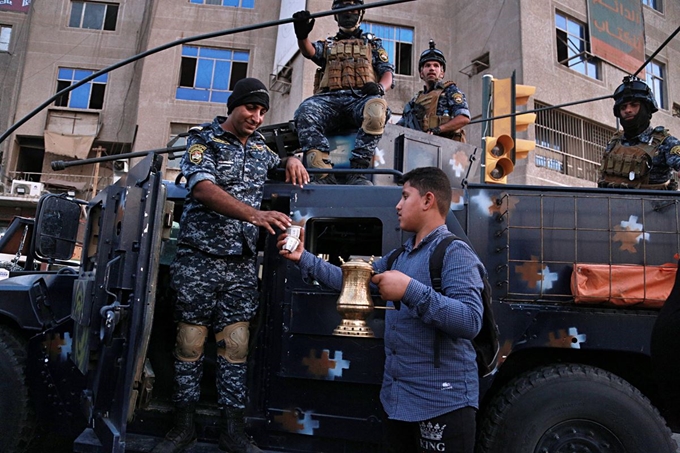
(17, 418)
(572, 408)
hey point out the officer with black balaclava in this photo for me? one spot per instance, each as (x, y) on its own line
(354, 73)
(640, 156)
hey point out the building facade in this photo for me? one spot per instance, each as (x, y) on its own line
(47, 45)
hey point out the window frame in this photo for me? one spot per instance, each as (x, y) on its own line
(198, 58)
(587, 63)
(77, 74)
(9, 37)
(108, 15)
(656, 5)
(397, 42)
(657, 82)
(246, 4)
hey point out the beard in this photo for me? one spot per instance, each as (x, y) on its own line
(638, 124)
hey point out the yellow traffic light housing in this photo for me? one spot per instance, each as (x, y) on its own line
(498, 158)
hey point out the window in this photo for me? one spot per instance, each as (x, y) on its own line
(569, 144)
(175, 130)
(654, 74)
(5, 33)
(208, 74)
(237, 3)
(94, 16)
(572, 47)
(654, 4)
(398, 42)
(87, 96)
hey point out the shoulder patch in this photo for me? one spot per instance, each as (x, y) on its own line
(382, 53)
(196, 153)
(458, 98)
(675, 150)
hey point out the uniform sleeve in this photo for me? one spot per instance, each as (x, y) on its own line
(672, 145)
(198, 163)
(456, 102)
(457, 310)
(319, 57)
(381, 63)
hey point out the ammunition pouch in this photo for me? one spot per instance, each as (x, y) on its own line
(190, 342)
(626, 166)
(375, 116)
(428, 103)
(232, 342)
(348, 66)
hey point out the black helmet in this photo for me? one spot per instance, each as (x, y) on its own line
(339, 3)
(633, 88)
(346, 21)
(431, 54)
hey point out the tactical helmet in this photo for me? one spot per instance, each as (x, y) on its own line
(633, 88)
(346, 21)
(431, 54)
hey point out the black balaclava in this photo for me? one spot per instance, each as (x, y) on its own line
(639, 123)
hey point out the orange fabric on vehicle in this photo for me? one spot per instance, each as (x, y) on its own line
(648, 286)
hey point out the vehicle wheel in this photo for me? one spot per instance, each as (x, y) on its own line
(17, 418)
(572, 408)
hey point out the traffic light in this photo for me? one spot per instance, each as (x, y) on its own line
(497, 152)
(502, 148)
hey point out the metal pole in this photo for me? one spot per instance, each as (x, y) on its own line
(216, 34)
(487, 81)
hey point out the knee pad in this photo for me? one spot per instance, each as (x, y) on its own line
(318, 159)
(235, 337)
(190, 342)
(375, 115)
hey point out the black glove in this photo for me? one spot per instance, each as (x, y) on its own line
(302, 24)
(435, 131)
(373, 89)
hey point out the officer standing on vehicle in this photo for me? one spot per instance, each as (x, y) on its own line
(430, 386)
(214, 272)
(440, 108)
(349, 85)
(640, 156)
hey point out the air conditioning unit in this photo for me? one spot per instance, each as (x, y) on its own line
(27, 188)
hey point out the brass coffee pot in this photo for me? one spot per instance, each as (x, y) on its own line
(355, 303)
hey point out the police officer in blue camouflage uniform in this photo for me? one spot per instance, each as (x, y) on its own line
(214, 271)
(353, 75)
(440, 108)
(640, 156)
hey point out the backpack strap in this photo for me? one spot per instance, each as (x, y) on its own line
(436, 265)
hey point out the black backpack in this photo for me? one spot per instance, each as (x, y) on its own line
(486, 342)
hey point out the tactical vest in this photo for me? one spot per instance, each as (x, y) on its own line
(629, 166)
(349, 65)
(430, 119)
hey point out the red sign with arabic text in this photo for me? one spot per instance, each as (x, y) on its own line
(21, 6)
(617, 32)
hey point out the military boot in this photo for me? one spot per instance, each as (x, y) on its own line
(182, 434)
(233, 437)
(358, 179)
(319, 159)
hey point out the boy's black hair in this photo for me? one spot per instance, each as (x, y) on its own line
(431, 179)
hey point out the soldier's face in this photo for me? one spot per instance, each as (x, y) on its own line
(628, 110)
(432, 71)
(245, 119)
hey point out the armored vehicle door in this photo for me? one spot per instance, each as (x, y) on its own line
(113, 301)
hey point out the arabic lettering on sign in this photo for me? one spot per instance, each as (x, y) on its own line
(617, 32)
